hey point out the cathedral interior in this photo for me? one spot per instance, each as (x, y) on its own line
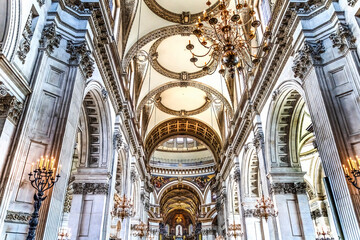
(174, 120)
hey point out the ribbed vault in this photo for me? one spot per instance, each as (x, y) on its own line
(183, 126)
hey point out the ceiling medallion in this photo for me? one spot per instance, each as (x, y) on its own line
(167, 73)
(183, 113)
(184, 18)
(235, 45)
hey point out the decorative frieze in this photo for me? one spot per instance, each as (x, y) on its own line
(91, 188)
(24, 46)
(343, 37)
(249, 212)
(17, 217)
(305, 57)
(79, 54)
(49, 38)
(288, 188)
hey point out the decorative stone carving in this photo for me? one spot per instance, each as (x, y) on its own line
(104, 94)
(49, 38)
(133, 175)
(79, 6)
(67, 202)
(351, 3)
(24, 46)
(41, 2)
(91, 188)
(305, 57)
(3, 90)
(317, 213)
(11, 108)
(118, 142)
(289, 188)
(310, 192)
(79, 54)
(17, 217)
(237, 174)
(343, 37)
(258, 139)
(275, 94)
(249, 212)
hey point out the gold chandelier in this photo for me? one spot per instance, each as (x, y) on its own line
(123, 207)
(265, 208)
(234, 43)
(219, 238)
(140, 230)
(234, 230)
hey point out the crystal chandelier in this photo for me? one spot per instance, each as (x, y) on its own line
(123, 207)
(234, 43)
(140, 230)
(354, 173)
(234, 230)
(265, 208)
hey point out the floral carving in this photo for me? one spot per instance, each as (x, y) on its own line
(91, 188)
(80, 54)
(17, 217)
(24, 46)
(289, 188)
(11, 108)
(343, 37)
(49, 38)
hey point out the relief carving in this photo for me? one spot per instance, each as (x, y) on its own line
(288, 188)
(80, 54)
(17, 217)
(343, 37)
(10, 108)
(24, 46)
(49, 38)
(91, 188)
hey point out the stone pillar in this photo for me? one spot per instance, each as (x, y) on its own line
(294, 219)
(88, 210)
(272, 232)
(10, 111)
(330, 73)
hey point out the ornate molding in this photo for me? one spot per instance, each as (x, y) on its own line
(17, 217)
(91, 188)
(183, 113)
(343, 37)
(167, 73)
(10, 108)
(161, 33)
(184, 17)
(49, 38)
(80, 7)
(307, 56)
(79, 54)
(24, 46)
(288, 188)
(173, 84)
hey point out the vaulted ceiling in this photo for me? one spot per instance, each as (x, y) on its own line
(167, 86)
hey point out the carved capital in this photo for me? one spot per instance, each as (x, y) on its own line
(343, 37)
(80, 7)
(118, 142)
(49, 38)
(91, 188)
(79, 54)
(307, 56)
(10, 108)
(258, 139)
(288, 188)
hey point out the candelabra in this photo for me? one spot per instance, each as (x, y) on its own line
(232, 41)
(64, 234)
(265, 208)
(324, 235)
(42, 177)
(234, 230)
(354, 173)
(123, 207)
(140, 230)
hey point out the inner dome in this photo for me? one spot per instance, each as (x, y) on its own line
(183, 98)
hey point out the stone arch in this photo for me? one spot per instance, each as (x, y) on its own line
(250, 183)
(183, 126)
(285, 110)
(95, 125)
